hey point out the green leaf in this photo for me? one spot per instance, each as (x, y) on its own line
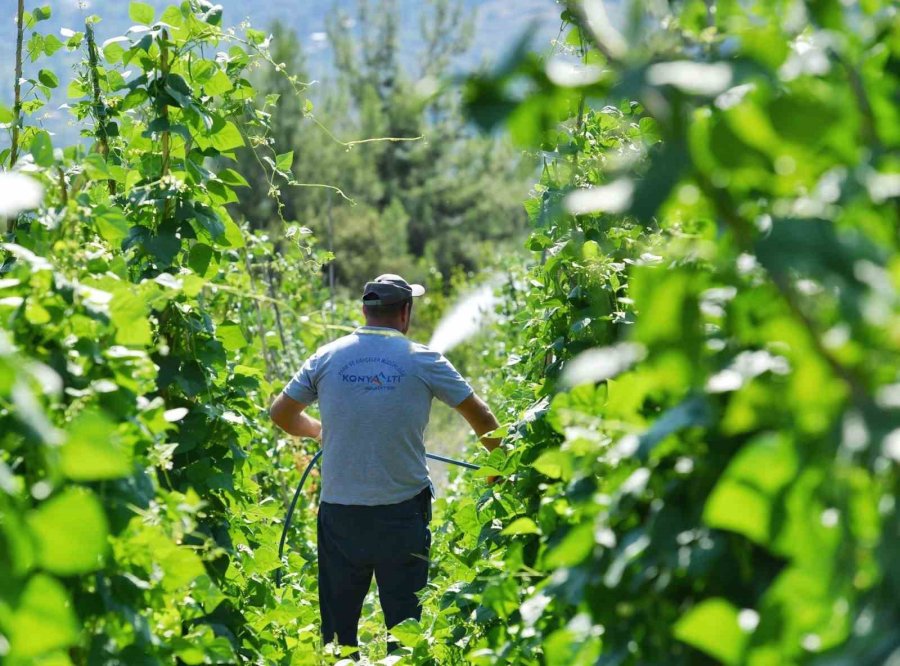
(113, 49)
(554, 463)
(180, 566)
(199, 259)
(742, 501)
(42, 13)
(573, 549)
(712, 627)
(654, 188)
(409, 632)
(180, 91)
(70, 531)
(48, 78)
(140, 12)
(209, 220)
(93, 450)
(128, 312)
(224, 136)
(739, 508)
(95, 167)
(43, 620)
(284, 161)
(231, 337)
(42, 149)
(232, 178)
(6, 114)
(218, 84)
(112, 225)
(75, 89)
(52, 44)
(521, 525)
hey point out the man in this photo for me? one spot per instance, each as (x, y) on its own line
(375, 389)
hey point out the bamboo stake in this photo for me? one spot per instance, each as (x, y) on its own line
(99, 107)
(164, 114)
(17, 86)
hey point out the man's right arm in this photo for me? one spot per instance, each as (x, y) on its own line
(481, 418)
(288, 415)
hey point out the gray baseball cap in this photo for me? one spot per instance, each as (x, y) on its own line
(388, 289)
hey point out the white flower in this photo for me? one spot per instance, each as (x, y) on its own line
(18, 192)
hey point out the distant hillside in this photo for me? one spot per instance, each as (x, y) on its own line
(498, 24)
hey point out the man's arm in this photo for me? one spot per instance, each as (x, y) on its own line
(481, 418)
(288, 415)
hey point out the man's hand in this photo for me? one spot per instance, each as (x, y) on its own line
(288, 415)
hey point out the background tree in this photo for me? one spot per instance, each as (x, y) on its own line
(442, 201)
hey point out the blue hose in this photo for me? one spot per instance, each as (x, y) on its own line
(290, 512)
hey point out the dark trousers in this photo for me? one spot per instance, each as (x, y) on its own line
(392, 542)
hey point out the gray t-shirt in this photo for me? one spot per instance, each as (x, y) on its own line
(374, 389)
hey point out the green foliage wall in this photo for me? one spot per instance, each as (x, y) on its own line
(702, 463)
(143, 333)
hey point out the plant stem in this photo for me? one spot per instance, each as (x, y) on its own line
(164, 114)
(261, 330)
(271, 289)
(17, 86)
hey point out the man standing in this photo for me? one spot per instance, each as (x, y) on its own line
(375, 389)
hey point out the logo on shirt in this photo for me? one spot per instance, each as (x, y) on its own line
(372, 373)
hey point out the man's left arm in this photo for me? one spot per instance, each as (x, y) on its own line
(288, 415)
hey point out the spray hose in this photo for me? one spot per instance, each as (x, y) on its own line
(315, 459)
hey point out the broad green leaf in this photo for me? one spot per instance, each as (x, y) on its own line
(234, 237)
(6, 114)
(742, 501)
(232, 178)
(52, 44)
(409, 632)
(180, 91)
(113, 49)
(218, 84)
(75, 90)
(93, 449)
(224, 136)
(739, 508)
(200, 258)
(712, 627)
(231, 337)
(70, 531)
(573, 549)
(140, 12)
(521, 525)
(554, 463)
(42, 621)
(112, 225)
(263, 560)
(284, 161)
(48, 78)
(180, 566)
(42, 149)
(128, 311)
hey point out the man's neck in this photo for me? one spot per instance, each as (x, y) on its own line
(392, 325)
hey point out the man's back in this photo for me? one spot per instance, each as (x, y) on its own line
(375, 389)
